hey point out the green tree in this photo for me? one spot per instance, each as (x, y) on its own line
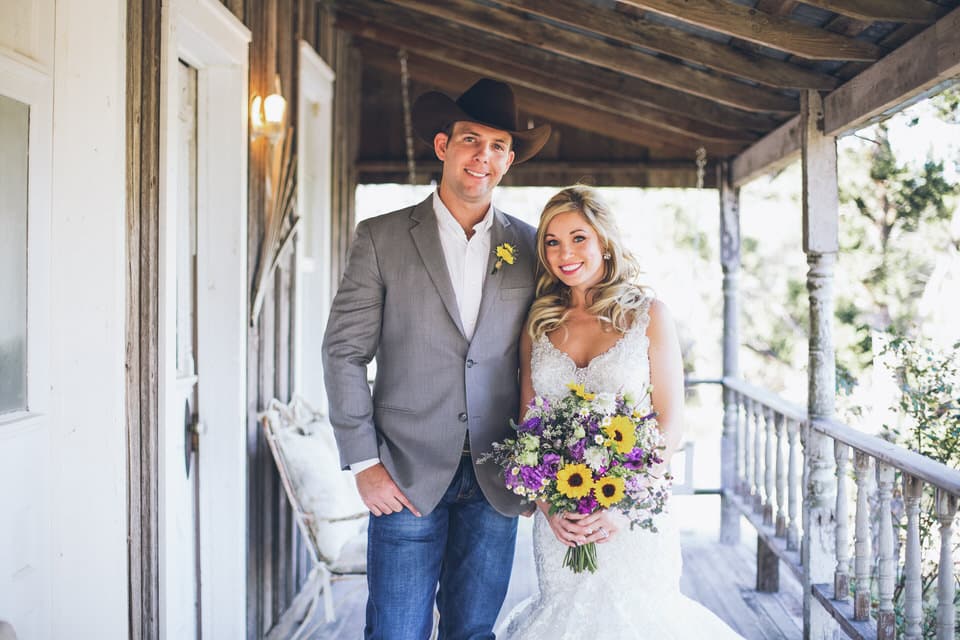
(928, 421)
(895, 221)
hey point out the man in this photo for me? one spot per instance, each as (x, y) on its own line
(438, 293)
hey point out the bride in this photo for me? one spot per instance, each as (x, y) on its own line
(591, 324)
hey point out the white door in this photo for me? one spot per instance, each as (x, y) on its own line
(182, 422)
(315, 119)
(203, 319)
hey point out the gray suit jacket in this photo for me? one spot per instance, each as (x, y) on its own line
(396, 302)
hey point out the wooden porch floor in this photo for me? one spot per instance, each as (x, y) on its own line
(721, 577)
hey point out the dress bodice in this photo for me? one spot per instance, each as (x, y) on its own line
(624, 367)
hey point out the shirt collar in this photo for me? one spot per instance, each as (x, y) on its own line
(447, 222)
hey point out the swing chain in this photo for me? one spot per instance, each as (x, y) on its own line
(407, 122)
(701, 166)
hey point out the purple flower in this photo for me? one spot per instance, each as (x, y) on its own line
(508, 477)
(576, 450)
(551, 460)
(532, 477)
(533, 425)
(587, 504)
(634, 459)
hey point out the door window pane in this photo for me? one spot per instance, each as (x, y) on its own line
(14, 127)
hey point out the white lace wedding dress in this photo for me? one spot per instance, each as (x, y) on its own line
(635, 593)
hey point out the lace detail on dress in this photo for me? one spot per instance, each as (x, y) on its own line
(552, 369)
(635, 593)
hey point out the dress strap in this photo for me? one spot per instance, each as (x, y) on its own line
(642, 318)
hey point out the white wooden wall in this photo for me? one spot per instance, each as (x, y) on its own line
(63, 537)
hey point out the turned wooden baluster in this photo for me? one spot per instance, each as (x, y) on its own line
(841, 576)
(740, 402)
(758, 457)
(862, 556)
(805, 477)
(913, 589)
(793, 484)
(886, 621)
(769, 465)
(748, 461)
(781, 477)
(946, 613)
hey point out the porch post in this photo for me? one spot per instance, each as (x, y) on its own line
(730, 261)
(820, 204)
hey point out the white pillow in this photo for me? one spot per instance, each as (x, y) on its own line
(325, 493)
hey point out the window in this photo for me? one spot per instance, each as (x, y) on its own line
(14, 128)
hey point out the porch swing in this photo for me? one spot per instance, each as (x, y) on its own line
(326, 506)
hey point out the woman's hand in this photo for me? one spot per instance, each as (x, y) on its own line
(575, 529)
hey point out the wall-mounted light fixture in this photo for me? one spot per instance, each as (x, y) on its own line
(268, 115)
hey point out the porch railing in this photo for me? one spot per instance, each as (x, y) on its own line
(771, 480)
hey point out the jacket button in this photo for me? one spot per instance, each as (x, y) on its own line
(470, 363)
(463, 417)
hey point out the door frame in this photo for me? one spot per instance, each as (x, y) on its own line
(313, 293)
(207, 36)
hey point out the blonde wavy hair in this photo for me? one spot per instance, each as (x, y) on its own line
(617, 298)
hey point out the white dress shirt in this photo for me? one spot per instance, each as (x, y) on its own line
(467, 261)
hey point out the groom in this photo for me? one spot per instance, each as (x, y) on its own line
(438, 293)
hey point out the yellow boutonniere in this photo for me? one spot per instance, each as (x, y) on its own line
(505, 252)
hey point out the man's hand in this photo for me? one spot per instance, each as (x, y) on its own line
(380, 493)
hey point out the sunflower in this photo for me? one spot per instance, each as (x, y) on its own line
(574, 480)
(608, 491)
(621, 433)
(581, 391)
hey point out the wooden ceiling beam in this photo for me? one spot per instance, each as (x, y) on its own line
(774, 31)
(774, 152)
(929, 60)
(562, 87)
(551, 109)
(670, 174)
(777, 7)
(455, 36)
(637, 31)
(620, 58)
(921, 11)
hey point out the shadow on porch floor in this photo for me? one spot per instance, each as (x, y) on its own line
(720, 577)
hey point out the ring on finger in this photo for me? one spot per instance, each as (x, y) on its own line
(603, 533)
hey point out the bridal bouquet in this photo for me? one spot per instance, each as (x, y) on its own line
(583, 452)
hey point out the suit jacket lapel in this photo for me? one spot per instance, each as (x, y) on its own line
(501, 231)
(426, 237)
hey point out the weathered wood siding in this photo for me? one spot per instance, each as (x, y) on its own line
(278, 560)
(142, 351)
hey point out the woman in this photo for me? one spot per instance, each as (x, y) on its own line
(591, 324)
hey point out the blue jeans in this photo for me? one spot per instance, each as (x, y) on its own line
(464, 545)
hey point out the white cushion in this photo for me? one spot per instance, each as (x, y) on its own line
(336, 514)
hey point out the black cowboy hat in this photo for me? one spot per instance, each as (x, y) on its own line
(487, 102)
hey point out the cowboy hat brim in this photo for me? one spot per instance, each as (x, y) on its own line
(433, 112)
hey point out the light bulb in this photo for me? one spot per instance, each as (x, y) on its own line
(273, 108)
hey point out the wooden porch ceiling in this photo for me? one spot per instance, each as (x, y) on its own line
(630, 85)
